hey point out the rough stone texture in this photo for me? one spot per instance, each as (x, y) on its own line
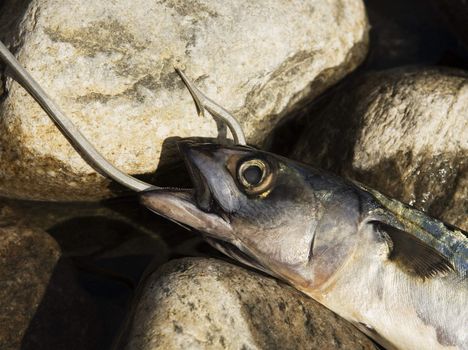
(109, 65)
(197, 303)
(42, 306)
(403, 132)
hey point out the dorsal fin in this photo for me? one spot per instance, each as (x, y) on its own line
(413, 255)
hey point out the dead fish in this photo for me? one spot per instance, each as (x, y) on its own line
(394, 272)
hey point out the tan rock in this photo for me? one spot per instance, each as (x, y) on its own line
(109, 65)
(198, 303)
(403, 132)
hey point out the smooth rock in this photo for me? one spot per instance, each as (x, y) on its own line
(110, 66)
(43, 307)
(403, 132)
(198, 303)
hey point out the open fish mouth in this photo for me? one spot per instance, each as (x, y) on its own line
(197, 207)
(201, 192)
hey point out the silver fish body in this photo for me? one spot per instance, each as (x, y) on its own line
(394, 272)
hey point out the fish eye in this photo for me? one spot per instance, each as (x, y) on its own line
(254, 175)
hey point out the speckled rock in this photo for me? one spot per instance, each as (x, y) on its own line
(403, 132)
(42, 305)
(197, 303)
(109, 65)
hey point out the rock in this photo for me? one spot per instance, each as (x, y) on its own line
(109, 249)
(403, 132)
(112, 246)
(42, 305)
(198, 303)
(109, 65)
(407, 33)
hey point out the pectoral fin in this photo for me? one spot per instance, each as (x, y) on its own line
(413, 255)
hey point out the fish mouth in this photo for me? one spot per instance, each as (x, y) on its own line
(197, 207)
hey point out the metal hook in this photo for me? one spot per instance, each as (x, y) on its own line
(202, 102)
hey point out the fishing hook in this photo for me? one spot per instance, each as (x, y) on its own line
(203, 102)
(79, 142)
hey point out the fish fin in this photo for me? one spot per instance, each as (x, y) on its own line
(412, 254)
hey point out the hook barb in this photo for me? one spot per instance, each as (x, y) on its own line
(203, 102)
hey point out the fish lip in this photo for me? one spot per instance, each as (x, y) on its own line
(179, 206)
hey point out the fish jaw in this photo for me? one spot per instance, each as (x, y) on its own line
(180, 206)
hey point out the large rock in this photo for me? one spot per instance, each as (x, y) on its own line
(403, 132)
(197, 303)
(109, 65)
(42, 305)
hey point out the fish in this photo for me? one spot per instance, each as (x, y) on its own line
(391, 270)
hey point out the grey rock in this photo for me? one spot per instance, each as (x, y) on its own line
(109, 65)
(198, 303)
(403, 132)
(43, 307)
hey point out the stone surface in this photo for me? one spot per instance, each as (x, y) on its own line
(109, 65)
(403, 132)
(197, 303)
(109, 244)
(41, 303)
(410, 32)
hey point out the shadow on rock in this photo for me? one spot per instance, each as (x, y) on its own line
(66, 317)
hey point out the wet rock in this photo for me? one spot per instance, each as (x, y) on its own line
(197, 303)
(403, 132)
(109, 66)
(42, 305)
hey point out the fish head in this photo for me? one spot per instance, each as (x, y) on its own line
(258, 208)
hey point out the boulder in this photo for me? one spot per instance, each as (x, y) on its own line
(403, 132)
(198, 303)
(110, 66)
(43, 306)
